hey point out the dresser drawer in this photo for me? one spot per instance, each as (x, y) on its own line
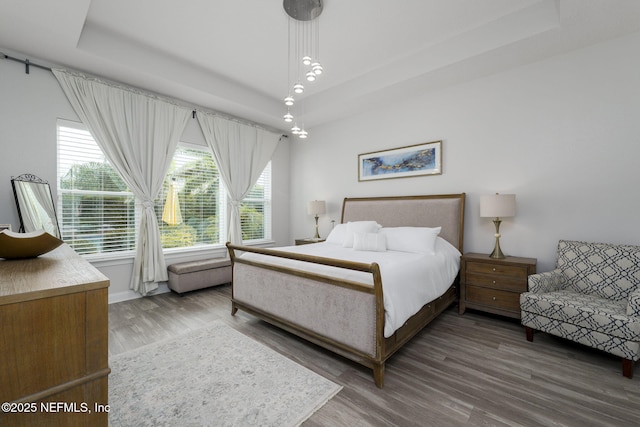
(493, 298)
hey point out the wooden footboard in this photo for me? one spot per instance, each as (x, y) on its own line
(342, 316)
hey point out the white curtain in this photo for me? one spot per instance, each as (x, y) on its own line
(241, 152)
(138, 133)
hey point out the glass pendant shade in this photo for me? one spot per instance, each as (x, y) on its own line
(298, 88)
(316, 68)
(288, 117)
(311, 76)
(306, 60)
(288, 101)
(303, 134)
(295, 130)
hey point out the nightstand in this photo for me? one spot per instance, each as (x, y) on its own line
(494, 285)
(308, 241)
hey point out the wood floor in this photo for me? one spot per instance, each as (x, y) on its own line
(469, 370)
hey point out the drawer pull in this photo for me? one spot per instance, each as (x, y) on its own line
(494, 269)
(494, 298)
(494, 282)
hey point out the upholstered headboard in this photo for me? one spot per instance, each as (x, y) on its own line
(446, 211)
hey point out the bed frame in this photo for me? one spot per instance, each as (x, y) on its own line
(343, 316)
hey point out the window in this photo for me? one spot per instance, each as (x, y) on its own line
(188, 208)
(97, 212)
(255, 211)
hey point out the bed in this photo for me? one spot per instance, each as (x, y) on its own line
(338, 303)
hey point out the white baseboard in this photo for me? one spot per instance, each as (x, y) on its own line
(129, 294)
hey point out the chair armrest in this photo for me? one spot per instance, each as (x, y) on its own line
(548, 281)
(633, 303)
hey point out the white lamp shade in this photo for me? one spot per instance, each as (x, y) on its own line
(498, 205)
(316, 207)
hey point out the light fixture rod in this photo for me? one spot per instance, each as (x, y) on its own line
(289, 83)
(317, 40)
(302, 56)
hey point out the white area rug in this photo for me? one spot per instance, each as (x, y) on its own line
(215, 376)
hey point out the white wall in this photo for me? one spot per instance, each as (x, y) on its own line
(30, 105)
(562, 134)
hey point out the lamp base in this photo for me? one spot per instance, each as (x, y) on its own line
(497, 252)
(317, 236)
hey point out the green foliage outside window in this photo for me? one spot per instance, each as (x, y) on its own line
(196, 182)
(98, 211)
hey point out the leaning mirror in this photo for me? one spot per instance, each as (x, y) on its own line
(34, 201)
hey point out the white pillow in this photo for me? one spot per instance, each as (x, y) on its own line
(411, 239)
(359, 227)
(338, 234)
(374, 242)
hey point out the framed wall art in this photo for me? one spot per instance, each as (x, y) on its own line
(413, 160)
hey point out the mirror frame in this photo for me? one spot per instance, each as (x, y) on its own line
(30, 178)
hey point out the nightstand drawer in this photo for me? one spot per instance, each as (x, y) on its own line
(495, 281)
(494, 298)
(497, 269)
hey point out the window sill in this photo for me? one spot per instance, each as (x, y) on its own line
(170, 255)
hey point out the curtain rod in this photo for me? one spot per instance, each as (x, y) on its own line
(28, 64)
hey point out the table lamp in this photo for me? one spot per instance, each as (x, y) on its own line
(316, 207)
(498, 206)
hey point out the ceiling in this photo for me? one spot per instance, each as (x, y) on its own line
(231, 55)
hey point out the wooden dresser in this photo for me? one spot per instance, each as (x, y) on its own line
(494, 285)
(53, 341)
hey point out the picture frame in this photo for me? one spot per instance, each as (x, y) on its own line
(409, 161)
(5, 227)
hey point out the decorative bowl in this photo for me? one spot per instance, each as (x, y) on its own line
(26, 245)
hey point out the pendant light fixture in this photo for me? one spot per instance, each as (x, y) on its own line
(303, 56)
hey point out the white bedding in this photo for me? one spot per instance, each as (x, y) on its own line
(409, 280)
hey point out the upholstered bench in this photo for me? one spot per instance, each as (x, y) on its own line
(192, 275)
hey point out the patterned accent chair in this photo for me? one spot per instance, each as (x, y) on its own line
(592, 297)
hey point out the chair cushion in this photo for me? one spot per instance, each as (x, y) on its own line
(585, 311)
